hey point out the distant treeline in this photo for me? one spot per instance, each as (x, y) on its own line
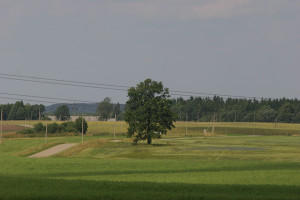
(239, 110)
(19, 111)
(193, 109)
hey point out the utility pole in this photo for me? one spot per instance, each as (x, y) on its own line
(275, 122)
(235, 116)
(186, 120)
(213, 123)
(81, 128)
(46, 133)
(253, 124)
(1, 126)
(115, 126)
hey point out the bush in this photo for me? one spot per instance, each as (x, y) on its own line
(68, 127)
(53, 128)
(78, 125)
(26, 131)
(39, 127)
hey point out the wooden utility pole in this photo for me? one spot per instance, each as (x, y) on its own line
(235, 116)
(275, 122)
(186, 120)
(213, 123)
(46, 133)
(115, 126)
(253, 124)
(1, 126)
(81, 128)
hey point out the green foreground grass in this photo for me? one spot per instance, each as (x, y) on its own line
(215, 167)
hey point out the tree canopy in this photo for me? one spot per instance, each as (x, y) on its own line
(78, 125)
(62, 113)
(105, 108)
(149, 111)
(19, 111)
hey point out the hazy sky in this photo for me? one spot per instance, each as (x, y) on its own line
(237, 47)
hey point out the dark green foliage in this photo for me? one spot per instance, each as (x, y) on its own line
(265, 114)
(149, 112)
(19, 111)
(239, 110)
(27, 131)
(105, 108)
(39, 127)
(117, 109)
(68, 127)
(53, 128)
(62, 113)
(78, 125)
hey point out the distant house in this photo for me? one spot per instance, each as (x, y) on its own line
(73, 118)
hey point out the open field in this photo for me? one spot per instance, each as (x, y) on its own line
(214, 167)
(192, 129)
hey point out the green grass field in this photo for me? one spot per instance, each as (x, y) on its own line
(232, 164)
(192, 129)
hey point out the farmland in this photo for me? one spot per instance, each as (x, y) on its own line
(240, 161)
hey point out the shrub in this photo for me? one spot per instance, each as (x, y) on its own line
(39, 127)
(68, 127)
(53, 128)
(78, 125)
(26, 131)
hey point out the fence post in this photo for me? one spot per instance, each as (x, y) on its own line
(1, 126)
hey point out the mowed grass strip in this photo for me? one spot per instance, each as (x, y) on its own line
(239, 167)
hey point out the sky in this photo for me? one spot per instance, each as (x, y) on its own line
(227, 47)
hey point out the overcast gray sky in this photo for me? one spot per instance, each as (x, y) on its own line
(237, 47)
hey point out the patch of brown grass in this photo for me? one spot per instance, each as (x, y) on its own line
(83, 146)
(37, 149)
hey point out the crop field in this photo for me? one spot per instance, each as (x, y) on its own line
(233, 163)
(191, 129)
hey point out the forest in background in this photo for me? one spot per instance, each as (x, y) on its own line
(192, 109)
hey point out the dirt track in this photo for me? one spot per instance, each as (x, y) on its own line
(53, 150)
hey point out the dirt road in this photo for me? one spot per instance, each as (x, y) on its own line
(53, 150)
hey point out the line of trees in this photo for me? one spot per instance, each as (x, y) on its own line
(239, 110)
(77, 126)
(192, 109)
(21, 111)
(106, 110)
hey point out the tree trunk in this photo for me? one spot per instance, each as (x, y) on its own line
(149, 139)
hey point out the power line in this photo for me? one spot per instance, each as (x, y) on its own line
(29, 100)
(109, 86)
(68, 81)
(42, 101)
(41, 97)
(67, 84)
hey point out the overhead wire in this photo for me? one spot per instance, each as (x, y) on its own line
(110, 86)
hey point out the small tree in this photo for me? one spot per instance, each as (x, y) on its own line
(149, 112)
(104, 108)
(62, 113)
(78, 125)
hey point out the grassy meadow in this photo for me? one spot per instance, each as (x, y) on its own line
(240, 161)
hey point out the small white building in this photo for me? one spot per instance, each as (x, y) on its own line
(73, 118)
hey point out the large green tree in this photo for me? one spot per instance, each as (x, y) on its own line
(62, 113)
(105, 108)
(149, 112)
